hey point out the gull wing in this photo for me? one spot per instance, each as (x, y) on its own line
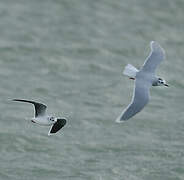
(57, 126)
(156, 56)
(139, 100)
(40, 109)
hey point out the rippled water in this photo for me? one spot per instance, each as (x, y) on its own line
(70, 54)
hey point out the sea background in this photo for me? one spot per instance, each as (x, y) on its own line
(70, 54)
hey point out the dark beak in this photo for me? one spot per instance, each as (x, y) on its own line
(166, 85)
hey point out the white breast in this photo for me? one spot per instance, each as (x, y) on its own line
(42, 121)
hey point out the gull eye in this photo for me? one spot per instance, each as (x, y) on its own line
(160, 81)
(52, 119)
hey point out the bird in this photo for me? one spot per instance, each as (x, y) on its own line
(144, 78)
(42, 118)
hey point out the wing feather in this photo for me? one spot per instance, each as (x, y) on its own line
(139, 100)
(57, 126)
(40, 109)
(156, 56)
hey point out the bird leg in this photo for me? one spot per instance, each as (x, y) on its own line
(132, 78)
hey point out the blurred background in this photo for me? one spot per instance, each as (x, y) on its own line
(70, 54)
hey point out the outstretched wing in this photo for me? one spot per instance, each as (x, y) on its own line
(57, 126)
(139, 100)
(40, 109)
(156, 56)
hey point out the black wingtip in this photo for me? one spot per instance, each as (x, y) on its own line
(18, 100)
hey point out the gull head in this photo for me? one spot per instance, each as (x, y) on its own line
(160, 82)
(52, 119)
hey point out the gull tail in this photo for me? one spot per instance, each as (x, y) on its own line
(130, 71)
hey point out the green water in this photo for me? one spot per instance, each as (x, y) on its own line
(70, 54)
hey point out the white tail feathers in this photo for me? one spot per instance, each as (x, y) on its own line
(130, 71)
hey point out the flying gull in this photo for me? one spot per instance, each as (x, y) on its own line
(144, 79)
(43, 119)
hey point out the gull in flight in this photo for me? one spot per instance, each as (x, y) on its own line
(43, 119)
(144, 79)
